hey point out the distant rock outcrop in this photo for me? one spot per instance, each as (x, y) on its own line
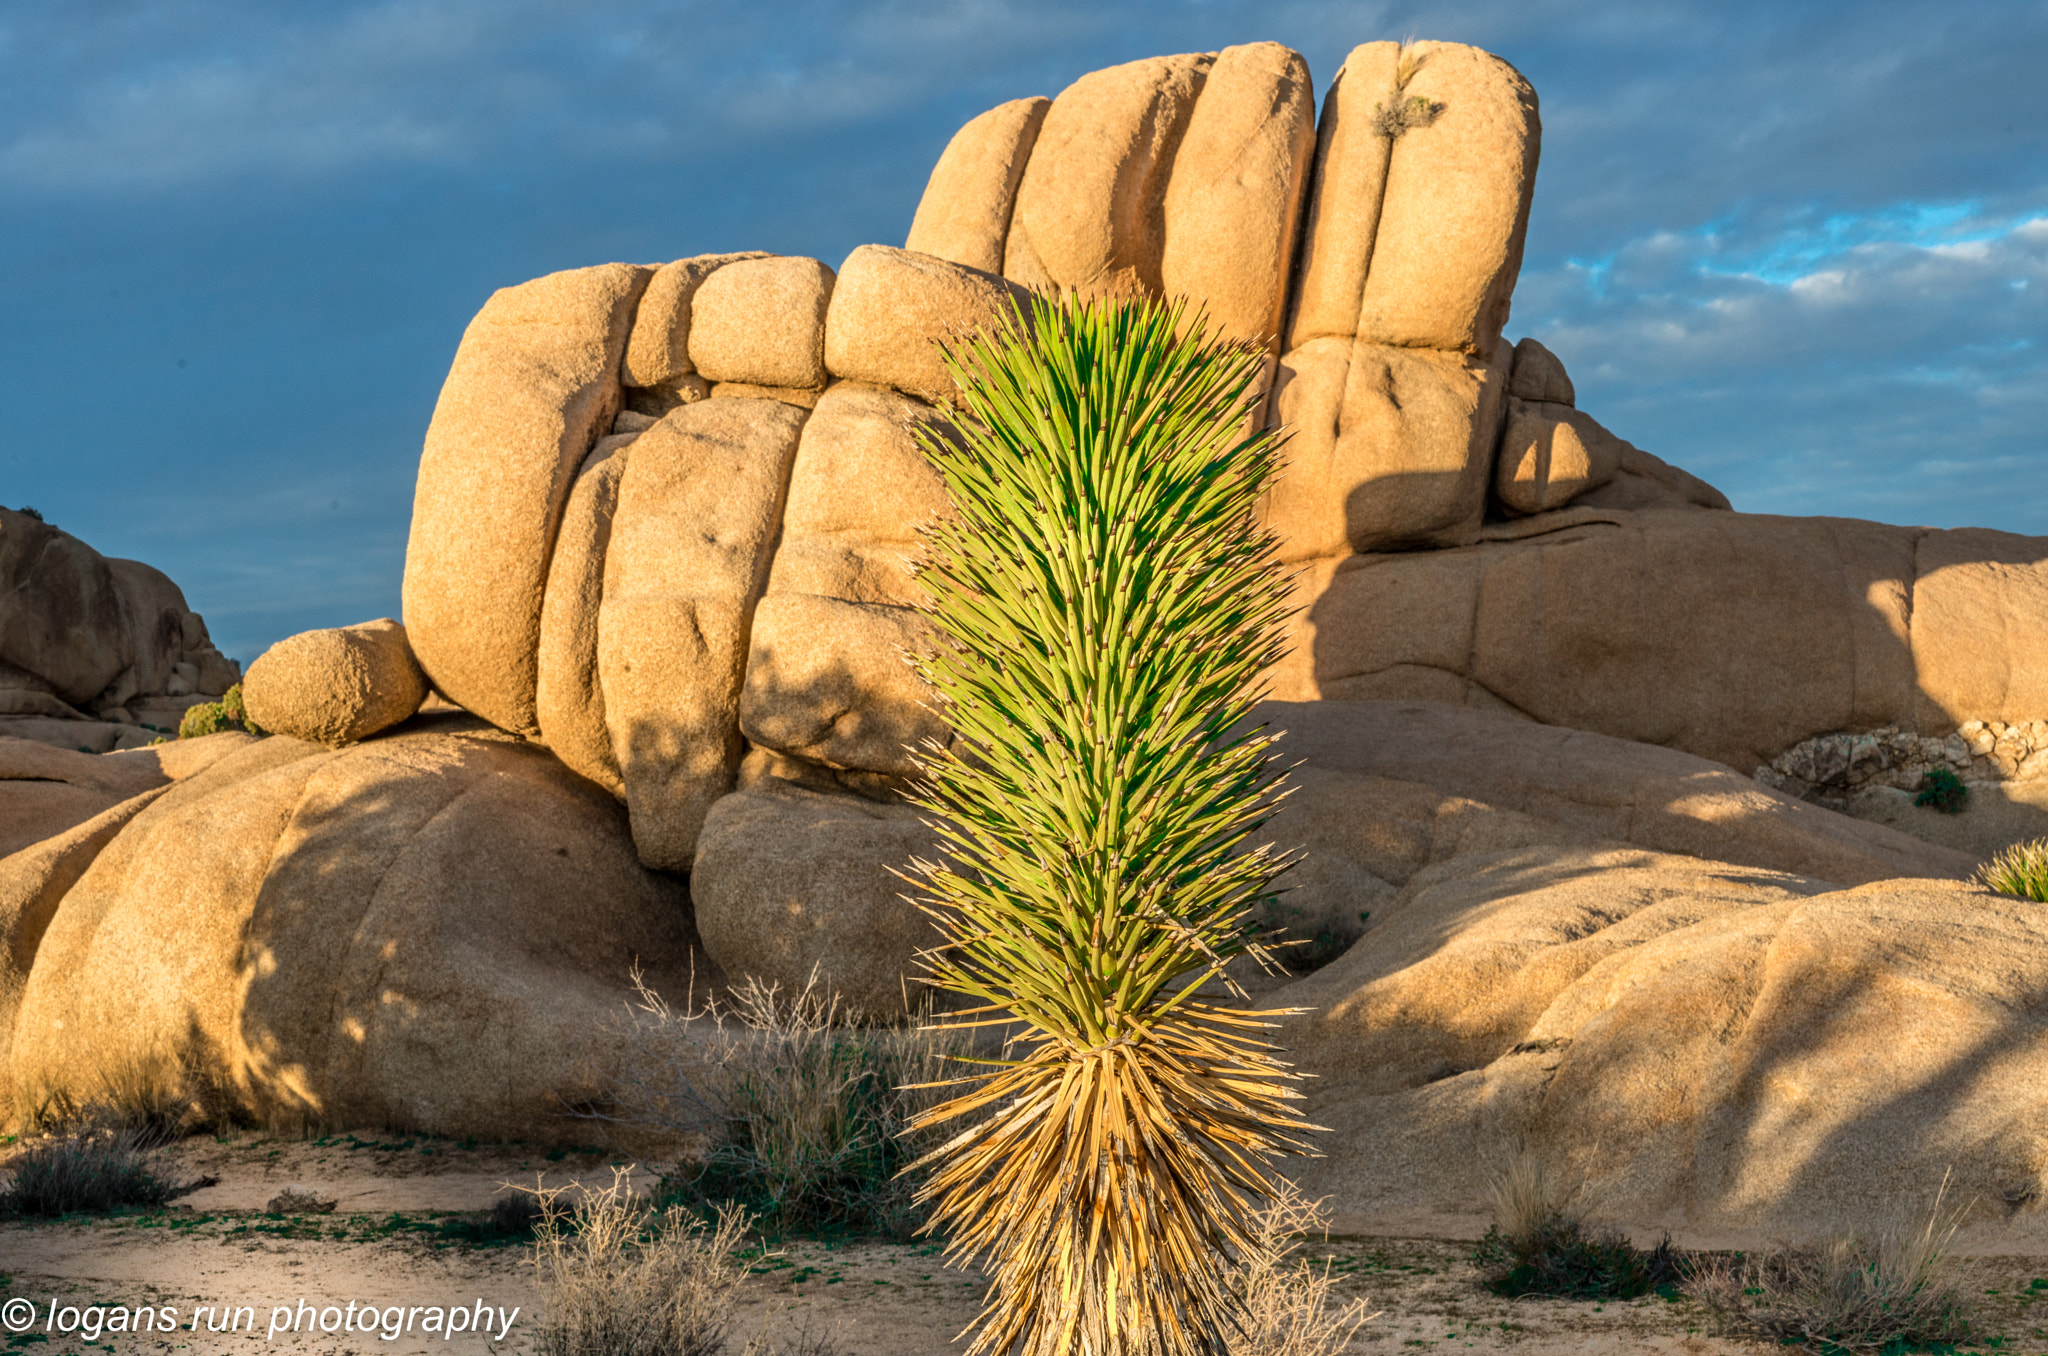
(95, 653)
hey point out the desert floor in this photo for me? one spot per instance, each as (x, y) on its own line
(387, 1244)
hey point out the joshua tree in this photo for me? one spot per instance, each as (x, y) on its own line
(1106, 601)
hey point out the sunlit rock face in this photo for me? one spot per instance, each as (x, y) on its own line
(435, 930)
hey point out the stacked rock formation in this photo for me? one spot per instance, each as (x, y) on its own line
(663, 550)
(95, 653)
(665, 514)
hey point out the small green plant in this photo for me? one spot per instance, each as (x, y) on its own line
(1901, 1290)
(214, 717)
(27, 512)
(89, 1168)
(1941, 789)
(619, 1278)
(1535, 1247)
(1391, 120)
(2020, 871)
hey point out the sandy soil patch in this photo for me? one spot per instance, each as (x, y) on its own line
(394, 1243)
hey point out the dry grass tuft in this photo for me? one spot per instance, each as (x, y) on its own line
(161, 1097)
(805, 1109)
(88, 1167)
(619, 1278)
(1536, 1246)
(1394, 119)
(1288, 1310)
(1900, 1290)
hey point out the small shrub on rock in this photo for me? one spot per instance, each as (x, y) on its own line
(1942, 790)
(2020, 871)
(1391, 120)
(214, 717)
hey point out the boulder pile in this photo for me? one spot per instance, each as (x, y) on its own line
(662, 559)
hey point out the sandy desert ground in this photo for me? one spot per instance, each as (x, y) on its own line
(387, 1245)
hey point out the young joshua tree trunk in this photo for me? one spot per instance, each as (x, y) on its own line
(1107, 601)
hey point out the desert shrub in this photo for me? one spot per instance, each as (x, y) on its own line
(1107, 601)
(806, 1110)
(1942, 790)
(1537, 1247)
(620, 1278)
(87, 1168)
(1899, 1290)
(27, 512)
(2020, 871)
(1288, 1308)
(213, 717)
(1391, 120)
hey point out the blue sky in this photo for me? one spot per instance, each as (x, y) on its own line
(1799, 249)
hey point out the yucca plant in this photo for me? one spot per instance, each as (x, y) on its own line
(2020, 871)
(1106, 602)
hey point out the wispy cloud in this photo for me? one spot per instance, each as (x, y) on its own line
(1887, 362)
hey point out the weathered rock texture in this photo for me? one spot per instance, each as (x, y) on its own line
(1233, 199)
(891, 309)
(1880, 775)
(534, 383)
(370, 936)
(1731, 636)
(1702, 1046)
(658, 350)
(46, 790)
(1090, 211)
(790, 881)
(335, 686)
(827, 678)
(965, 213)
(699, 505)
(761, 321)
(568, 696)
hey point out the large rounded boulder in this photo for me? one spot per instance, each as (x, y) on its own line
(433, 931)
(1685, 1044)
